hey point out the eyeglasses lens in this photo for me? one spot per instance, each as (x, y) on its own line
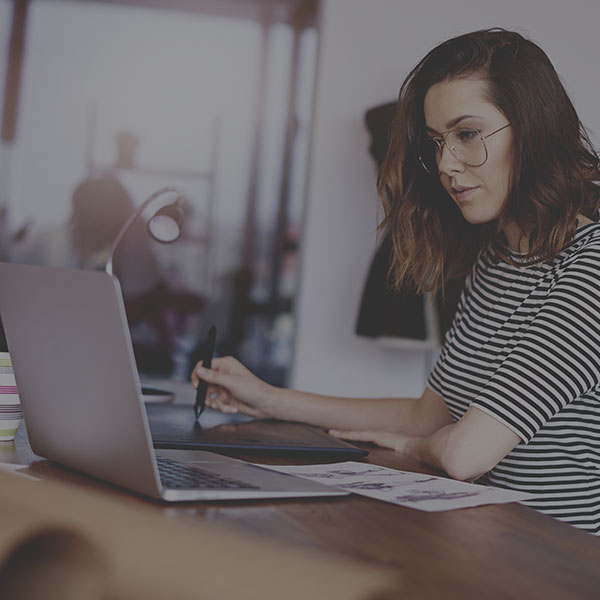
(466, 145)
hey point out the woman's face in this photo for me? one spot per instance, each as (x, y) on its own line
(479, 192)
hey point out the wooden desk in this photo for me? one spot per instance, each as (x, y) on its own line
(490, 552)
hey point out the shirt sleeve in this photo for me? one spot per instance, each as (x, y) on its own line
(558, 357)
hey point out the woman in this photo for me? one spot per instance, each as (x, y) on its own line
(489, 174)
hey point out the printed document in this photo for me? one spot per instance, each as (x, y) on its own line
(414, 490)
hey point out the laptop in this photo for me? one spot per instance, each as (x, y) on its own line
(74, 366)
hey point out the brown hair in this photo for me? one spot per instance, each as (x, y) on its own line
(552, 177)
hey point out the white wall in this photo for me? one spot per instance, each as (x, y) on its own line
(169, 77)
(5, 147)
(367, 47)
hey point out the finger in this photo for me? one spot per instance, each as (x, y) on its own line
(194, 376)
(225, 402)
(212, 399)
(218, 398)
(215, 377)
(229, 404)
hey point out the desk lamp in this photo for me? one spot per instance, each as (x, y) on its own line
(165, 227)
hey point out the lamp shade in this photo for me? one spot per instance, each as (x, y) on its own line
(166, 225)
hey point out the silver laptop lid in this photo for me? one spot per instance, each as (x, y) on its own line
(69, 343)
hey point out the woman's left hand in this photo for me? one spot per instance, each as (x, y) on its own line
(387, 439)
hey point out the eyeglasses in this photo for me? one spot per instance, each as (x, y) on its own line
(466, 145)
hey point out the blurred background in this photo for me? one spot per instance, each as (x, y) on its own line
(256, 109)
(107, 102)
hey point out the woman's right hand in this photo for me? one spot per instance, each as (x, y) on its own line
(233, 388)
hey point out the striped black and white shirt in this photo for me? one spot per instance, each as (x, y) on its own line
(524, 347)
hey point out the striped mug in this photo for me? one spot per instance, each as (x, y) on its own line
(10, 404)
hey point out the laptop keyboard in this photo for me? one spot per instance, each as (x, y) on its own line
(176, 475)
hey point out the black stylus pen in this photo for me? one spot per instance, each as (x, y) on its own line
(203, 385)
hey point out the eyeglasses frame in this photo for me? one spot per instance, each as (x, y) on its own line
(445, 134)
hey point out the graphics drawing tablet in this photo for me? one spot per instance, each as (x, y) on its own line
(174, 426)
